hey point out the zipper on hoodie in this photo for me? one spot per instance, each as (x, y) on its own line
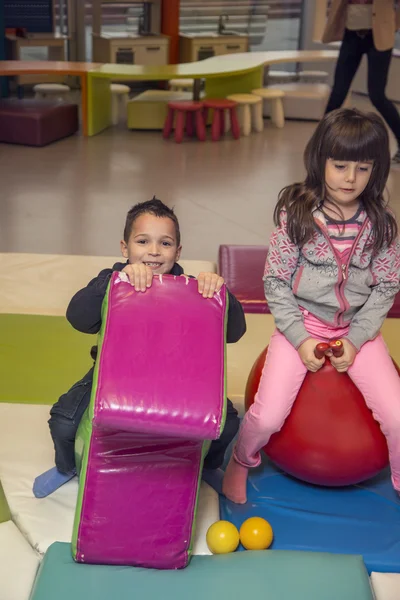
(343, 267)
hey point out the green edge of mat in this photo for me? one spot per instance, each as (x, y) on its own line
(84, 434)
(5, 514)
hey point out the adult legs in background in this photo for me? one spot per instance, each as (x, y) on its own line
(350, 55)
(378, 72)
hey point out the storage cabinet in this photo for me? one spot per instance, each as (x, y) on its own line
(130, 50)
(55, 44)
(193, 47)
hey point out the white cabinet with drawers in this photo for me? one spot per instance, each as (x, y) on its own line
(193, 47)
(131, 50)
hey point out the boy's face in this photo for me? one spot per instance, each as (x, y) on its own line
(153, 243)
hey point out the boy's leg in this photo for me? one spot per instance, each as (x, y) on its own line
(216, 453)
(212, 474)
(65, 417)
(63, 431)
(273, 402)
(375, 376)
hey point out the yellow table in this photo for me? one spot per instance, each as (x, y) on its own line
(223, 75)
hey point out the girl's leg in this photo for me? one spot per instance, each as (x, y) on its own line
(280, 382)
(375, 376)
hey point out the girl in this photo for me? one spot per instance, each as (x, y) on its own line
(332, 272)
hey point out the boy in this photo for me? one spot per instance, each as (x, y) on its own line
(151, 246)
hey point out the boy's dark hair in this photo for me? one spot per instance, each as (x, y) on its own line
(153, 207)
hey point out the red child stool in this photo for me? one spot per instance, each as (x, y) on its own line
(189, 115)
(219, 105)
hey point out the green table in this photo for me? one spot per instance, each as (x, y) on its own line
(223, 75)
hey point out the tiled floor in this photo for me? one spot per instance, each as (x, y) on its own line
(72, 197)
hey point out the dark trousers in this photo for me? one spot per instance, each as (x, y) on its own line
(352, 49)
(67, 413)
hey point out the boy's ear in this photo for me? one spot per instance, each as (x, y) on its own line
(178, 254)
(124, 249)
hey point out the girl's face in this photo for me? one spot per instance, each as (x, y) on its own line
(345, 181)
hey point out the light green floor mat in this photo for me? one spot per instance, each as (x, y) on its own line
(4, 510)
(40, 358)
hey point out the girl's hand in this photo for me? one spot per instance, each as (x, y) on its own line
(306, 353)
(345, 361)
(140, 276)
(209, 283)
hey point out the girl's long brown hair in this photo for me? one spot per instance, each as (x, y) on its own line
(342, 135)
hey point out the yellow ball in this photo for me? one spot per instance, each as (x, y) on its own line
(256, 534)
(222, 537)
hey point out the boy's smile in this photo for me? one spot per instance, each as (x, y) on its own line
(153, 243)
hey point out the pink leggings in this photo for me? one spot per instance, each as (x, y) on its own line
(372, 372)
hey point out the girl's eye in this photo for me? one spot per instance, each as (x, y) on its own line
(340, 167)
(365, 169)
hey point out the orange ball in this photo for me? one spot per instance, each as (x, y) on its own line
(256, 534)
(222, 537)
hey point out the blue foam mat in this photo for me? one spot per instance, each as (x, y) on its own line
(362, 519)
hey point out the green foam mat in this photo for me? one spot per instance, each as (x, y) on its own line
(4, 510)
(40, 358)
(263, 575)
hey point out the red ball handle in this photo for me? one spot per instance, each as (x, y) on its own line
(337, 348)
(321, 349)
(335, 345)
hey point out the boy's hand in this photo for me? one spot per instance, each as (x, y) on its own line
(209, 283)
(306, 352)
(345, 361)
(140, 276)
